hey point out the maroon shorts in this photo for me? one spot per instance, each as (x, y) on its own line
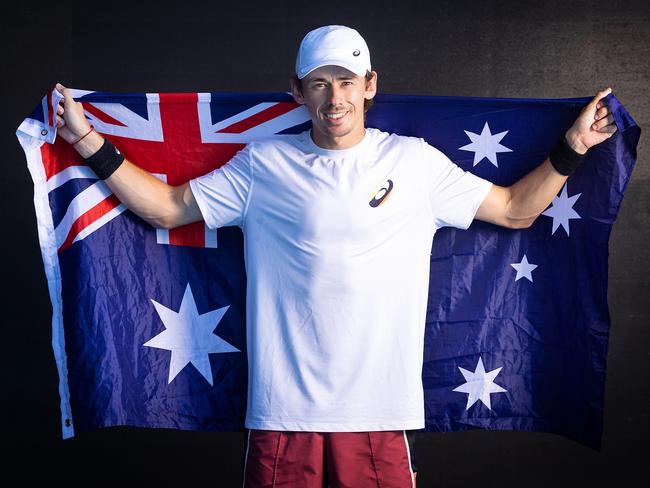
(334, 459)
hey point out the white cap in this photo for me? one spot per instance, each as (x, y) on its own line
(333, 45)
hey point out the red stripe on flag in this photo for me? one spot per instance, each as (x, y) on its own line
(180, 124)
(104, 117)
(59, 156)
(265, 115)
(88, 217)
(188, 235)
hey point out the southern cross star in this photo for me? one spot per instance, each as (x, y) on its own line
(190, 336)
(562, 210)
(485, 145)
(524, 269)
(479, 385)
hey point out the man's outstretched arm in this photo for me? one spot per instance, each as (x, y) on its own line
(158, 203)
(518, 205)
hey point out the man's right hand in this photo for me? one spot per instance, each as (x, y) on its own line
(72, 124)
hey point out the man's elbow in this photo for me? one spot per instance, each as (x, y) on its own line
(521, 223)
(167, 224)
(514, 221)
(174, 211)
(169, 217)
(161, 223)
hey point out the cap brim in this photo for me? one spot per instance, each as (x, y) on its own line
(356, 69)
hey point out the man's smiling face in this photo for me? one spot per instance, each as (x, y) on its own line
(334, 97)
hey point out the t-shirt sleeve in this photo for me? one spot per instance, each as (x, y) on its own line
(454, 194)
(222, 195)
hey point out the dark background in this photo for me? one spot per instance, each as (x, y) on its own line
(489, 48)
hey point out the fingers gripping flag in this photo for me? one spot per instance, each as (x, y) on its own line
(148, 324)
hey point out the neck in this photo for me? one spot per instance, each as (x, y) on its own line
(346, 141)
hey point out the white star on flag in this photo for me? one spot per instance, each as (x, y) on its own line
(189, 336)
(562, 210)
(485, 145)
(479, 385)
(524, 269)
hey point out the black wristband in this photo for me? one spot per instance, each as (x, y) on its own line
(105, 161)
(564, 159)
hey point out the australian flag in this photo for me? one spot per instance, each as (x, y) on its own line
(148, 324)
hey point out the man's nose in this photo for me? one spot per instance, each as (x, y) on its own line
(335, 95)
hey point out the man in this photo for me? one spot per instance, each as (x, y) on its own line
(338, 224)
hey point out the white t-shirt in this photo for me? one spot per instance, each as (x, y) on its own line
(337, 246)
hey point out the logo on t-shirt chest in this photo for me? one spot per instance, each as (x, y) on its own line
(381, 195)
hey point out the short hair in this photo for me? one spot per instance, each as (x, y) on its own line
(366, 103)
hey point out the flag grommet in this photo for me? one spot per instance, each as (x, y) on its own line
(44, 132)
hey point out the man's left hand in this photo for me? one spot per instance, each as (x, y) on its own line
(594, 124)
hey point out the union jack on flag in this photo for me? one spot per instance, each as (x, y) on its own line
(148, 324)
(176, 137)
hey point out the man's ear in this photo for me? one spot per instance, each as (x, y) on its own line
(296, 91)
(371, 86)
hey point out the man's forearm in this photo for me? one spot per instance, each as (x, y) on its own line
(534, 192)
(144, 194)
(141, 192)
(530, 196)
